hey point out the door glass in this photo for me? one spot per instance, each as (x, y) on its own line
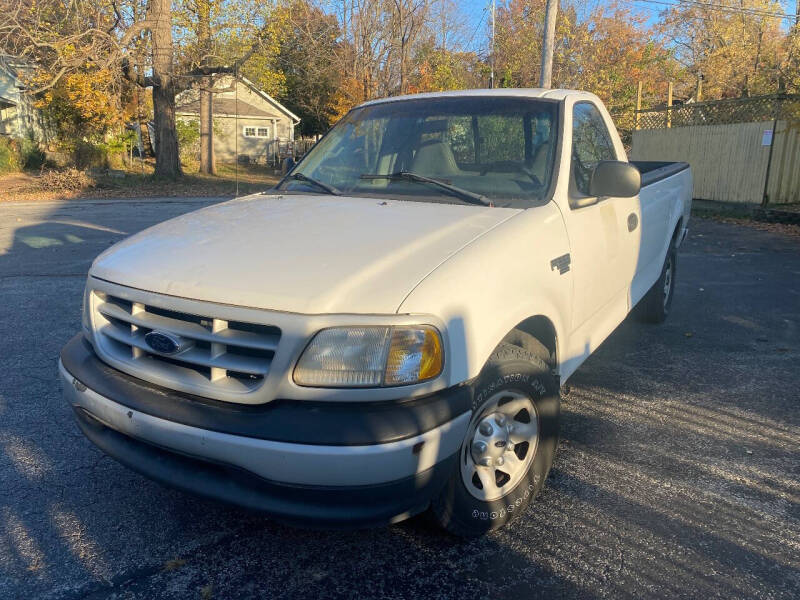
(591, 143)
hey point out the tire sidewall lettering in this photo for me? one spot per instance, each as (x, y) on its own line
(508, 509)
(488, 390)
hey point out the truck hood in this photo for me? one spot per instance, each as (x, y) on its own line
(310, 254)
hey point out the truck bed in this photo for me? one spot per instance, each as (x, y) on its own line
(653, 171)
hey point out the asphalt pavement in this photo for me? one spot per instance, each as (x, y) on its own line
(678, 473)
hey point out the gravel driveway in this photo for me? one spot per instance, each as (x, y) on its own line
(678, 473)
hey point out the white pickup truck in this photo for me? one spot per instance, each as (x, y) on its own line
(386, 331)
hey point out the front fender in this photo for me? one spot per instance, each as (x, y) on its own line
(496, 282)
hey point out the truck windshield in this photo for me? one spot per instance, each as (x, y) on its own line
(476, 150)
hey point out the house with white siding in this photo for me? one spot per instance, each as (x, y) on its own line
(18, 115)
(248, 122)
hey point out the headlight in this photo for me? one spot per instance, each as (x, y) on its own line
(370, 357)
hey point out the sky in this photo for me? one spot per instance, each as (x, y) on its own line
(477, 14)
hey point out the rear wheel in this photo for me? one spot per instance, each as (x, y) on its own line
(656, 304)
(509, 446)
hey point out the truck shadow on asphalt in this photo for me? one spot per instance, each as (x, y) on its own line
(653, 492)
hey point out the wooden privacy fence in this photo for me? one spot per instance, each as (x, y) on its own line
(743, 150)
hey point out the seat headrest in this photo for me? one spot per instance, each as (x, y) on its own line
(435, 158)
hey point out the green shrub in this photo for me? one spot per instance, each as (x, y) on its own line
(120, 142)
(116, 147)
(86, 155)
(32, 156)
(10, 158)
(188, 140)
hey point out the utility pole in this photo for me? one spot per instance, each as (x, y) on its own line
(546, 75)
(491, 73)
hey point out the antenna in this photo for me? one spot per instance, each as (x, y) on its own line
(236, 125)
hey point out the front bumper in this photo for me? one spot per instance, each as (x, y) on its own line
(335, 476)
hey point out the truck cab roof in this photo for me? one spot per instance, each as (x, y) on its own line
(554, 94)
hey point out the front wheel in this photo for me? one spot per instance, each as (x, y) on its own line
(509, 446)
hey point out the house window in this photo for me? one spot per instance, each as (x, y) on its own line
(259, 132)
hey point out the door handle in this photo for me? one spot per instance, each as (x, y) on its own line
(633, 221)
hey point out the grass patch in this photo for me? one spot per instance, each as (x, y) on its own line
(137, 181)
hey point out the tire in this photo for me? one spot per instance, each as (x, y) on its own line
(656, 304)
(513, 378)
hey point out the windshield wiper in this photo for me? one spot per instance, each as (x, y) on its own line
(465, 195)
(323, 186)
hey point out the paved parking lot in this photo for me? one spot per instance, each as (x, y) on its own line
(678, 473)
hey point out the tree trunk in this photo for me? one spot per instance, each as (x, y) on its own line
(207, 164)
(402, 66)
(401, 28)
(167, 160)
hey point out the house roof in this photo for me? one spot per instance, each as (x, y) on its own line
(227, 106)
(13, 65)
(271, 100)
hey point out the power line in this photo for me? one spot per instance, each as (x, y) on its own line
(731, 9)
(657, 11)
(477, 27)
(724, 8)
(705, 18)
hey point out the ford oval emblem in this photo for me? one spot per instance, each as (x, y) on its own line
(163, 343)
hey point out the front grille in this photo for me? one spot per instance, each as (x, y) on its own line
(223, 358)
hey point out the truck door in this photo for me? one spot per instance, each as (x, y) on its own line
(604, 232)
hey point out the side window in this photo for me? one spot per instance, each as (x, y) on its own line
(591, 143)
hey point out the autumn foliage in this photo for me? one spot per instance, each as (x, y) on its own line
(321, 58)
(83, 104)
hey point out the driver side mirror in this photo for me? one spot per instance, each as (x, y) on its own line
(615, 178)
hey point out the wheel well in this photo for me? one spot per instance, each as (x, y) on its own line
(678, 226)
(541, 328)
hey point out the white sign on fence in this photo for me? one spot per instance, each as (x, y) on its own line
(766, 139)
